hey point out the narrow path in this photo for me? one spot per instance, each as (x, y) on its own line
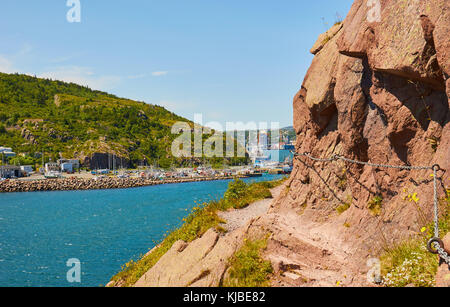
(239, 218)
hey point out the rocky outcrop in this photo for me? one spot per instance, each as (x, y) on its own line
(202, 263)
(28, 135)
(376, 92)
(325, 38)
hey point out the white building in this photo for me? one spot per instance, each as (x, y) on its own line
(75, 163)
(7, 152)
(27, 169)
(51, 167)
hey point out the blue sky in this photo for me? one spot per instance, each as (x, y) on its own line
(233, 60)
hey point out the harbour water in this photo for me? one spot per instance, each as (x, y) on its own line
(104, 229)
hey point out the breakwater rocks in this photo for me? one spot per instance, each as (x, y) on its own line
(70, 184)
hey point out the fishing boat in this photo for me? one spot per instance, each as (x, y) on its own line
(52, 175)
(255, 173)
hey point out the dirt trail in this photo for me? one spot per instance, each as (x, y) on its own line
(309, 254)
(239, 218)
(303, 253)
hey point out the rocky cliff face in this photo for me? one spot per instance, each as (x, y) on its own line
(375, 92)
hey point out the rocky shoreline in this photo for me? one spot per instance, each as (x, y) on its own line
(71, 184)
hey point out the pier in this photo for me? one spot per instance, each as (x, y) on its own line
(70, 184)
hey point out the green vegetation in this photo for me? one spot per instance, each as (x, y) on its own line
(410, 262)
(342, 208)
(375, 205)
(248, 268)
(69, 120)
(434, 143)
(326, 40)
(345, 206)
(203, 217)
(342, 179)
(239, 195)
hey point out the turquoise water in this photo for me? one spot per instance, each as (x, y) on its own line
(104, 229)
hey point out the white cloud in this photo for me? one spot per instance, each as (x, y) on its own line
(76, 74)
(140, 76)
(7, 62)
(82, 76)
(7, 65)
(159, 73)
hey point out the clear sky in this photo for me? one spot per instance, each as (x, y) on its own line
(232, 60)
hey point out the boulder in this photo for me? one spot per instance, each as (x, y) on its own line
(201, 263)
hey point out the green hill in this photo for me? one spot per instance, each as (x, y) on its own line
(66, 120)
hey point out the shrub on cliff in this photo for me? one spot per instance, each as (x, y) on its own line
(236, 189)
(248, 268)
(239, 195)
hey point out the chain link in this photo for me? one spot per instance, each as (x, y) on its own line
(442, 253)
(435, 168)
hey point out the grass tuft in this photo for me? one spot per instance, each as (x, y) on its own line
(376, 205)
(248, 268)
(410, 263)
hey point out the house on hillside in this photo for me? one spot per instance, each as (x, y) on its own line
(6, 152)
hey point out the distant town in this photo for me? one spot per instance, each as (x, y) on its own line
(265, 158)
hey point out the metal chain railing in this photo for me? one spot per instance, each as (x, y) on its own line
(435, 245)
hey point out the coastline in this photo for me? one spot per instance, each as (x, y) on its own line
(72, 184)
(207, 240)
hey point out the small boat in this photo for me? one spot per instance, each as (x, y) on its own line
(53, 175)
(254, 173)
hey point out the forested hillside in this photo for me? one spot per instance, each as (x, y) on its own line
(67, 120)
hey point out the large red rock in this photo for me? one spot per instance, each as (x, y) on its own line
(375, 92)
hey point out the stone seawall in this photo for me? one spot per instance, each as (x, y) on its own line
(10, 186)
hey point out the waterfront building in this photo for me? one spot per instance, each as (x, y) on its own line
(75, 163)
(28, 169)
(263, 140)
(10, 171)
(51, 167)
(274, 157)
(67, 167)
